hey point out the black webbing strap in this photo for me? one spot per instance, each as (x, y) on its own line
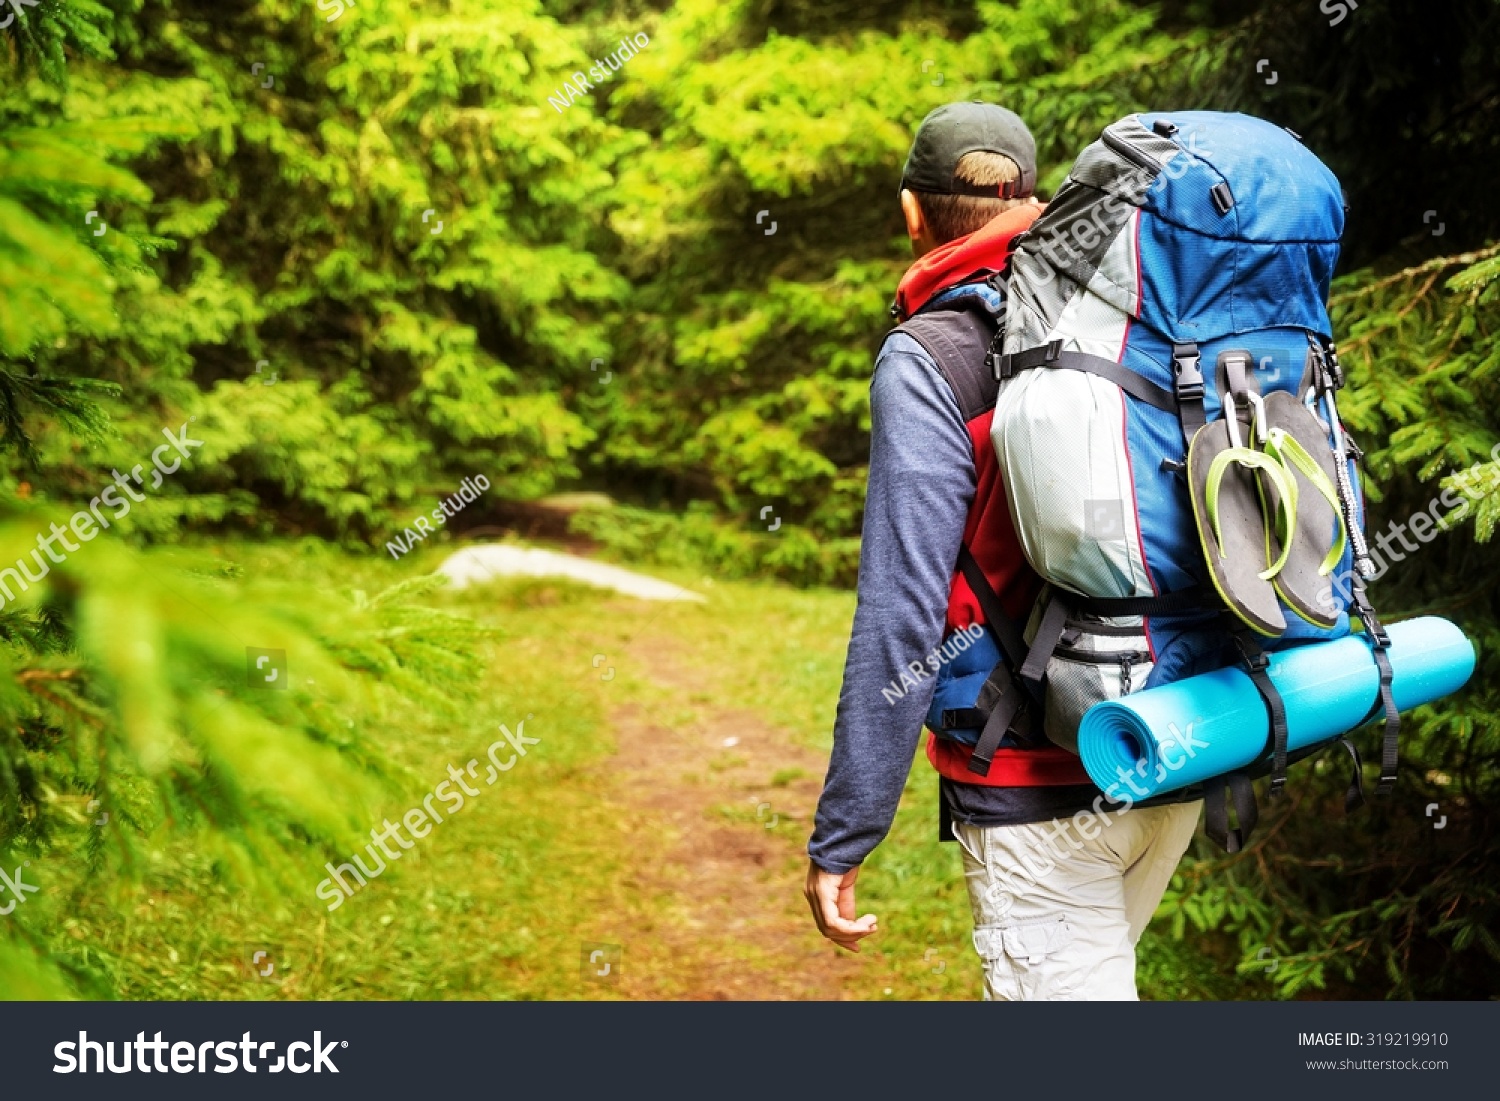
(1060, 603)
(1256, 664)
(1390, 750)
(1002, 715)
(1051, 355)
(1048, 633)
(1354, 796)
(1000, 710)
(1187, 374)
(995, 686)
(1330, 377)
(1009, 635)
(1237, 786)
(1001, 702)
(1379, 643)
(1192, 599)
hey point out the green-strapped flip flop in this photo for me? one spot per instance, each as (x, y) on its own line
(1225, 479)
(1308, 535)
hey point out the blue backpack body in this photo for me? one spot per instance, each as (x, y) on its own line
(1180, 243)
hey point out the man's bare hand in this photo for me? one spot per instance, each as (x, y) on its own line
(831, 897)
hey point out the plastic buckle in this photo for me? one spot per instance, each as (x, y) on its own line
(1054, 349)
(1335, 368)
(1187, 370)
(1256, 659)
(1000, 366)
(1373, 627)
(1222, 197)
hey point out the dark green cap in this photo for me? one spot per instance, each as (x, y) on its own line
(954, 130)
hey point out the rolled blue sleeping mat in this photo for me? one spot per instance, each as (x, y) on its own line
(1213, 723)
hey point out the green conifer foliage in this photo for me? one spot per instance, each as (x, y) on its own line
(377, 253)
(128, 713)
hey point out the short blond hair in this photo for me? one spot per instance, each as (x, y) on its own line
(950, 217)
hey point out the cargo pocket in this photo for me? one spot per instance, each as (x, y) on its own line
(1095, 660)
(1031, 962)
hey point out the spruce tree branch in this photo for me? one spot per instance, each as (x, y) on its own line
(1416, 299)
(26, 676)
(65, 704)
(1437, 263)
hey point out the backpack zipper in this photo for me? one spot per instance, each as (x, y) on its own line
(1089, 627)
(1122, 658)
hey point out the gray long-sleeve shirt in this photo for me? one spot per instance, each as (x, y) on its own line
(921, 484)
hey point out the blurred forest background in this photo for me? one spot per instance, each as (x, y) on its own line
(367, 252)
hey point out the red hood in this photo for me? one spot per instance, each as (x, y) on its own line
(982, 252)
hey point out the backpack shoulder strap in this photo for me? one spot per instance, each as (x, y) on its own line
(1003, 701)
(958, 340)
(1007, 633)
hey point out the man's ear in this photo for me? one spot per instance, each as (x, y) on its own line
(916, 223)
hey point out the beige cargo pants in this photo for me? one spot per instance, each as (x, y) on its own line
(1059, 906)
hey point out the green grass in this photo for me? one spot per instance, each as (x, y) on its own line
(496, 901)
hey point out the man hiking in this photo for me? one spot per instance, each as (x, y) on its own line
(939, 565)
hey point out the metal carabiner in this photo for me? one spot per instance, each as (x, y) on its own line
(1257, 422)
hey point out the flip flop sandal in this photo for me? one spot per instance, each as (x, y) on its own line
(1309, 534)
(1224, 484)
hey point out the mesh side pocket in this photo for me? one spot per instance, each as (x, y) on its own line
(1096, 660)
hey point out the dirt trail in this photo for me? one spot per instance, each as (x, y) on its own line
(728, 919)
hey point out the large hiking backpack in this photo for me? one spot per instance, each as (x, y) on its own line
(1187, 254)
